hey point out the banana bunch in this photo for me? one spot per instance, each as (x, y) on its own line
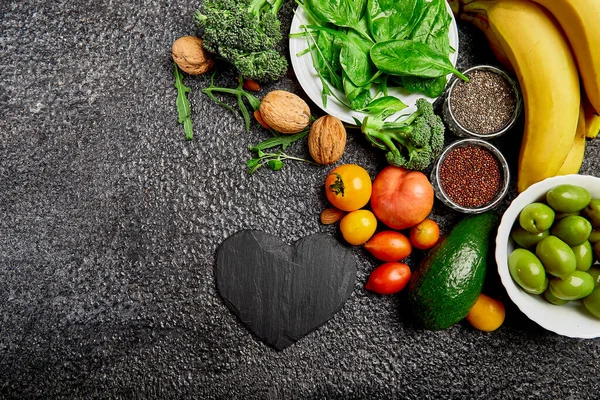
(549, 45)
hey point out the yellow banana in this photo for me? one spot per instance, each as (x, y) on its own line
(574, 159)
(592, 120)
(541, 57)
(580, 20)
(481, 22)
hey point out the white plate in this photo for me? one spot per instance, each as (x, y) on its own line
(310, 82)
(571, 319)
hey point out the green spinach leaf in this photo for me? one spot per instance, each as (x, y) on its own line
(357, 96)
(355, 59)
(383, 107)
(328, 58)
(410, 58)
(346, 13)
(434, 26)
(392, 19)
(432, 87)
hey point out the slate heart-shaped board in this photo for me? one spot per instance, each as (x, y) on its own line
(282, 292)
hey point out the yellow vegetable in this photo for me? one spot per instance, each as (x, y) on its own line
(487, 314)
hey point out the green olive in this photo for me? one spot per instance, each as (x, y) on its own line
(584, 256)
(573, 287)
(536, 217)
(592, 212)
(568, 198)
(595, 273)
(592, 302)
(556, 256)
(553, 299)
(561, 215)
(597, 250)
(573, 230)
(594, 236)
(527, 239)
(527, 271)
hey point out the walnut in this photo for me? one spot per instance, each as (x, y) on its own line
(327, 140)
(284, 111)
(190, 56)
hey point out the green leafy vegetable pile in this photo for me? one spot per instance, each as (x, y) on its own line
(244, 33)
(364, 47)
(413, 142)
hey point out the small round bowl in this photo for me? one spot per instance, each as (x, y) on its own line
(460, 130)
(571, 319)
(444, 197)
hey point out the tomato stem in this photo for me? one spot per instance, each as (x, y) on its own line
(337, 187)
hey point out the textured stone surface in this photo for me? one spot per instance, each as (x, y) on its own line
(109, 223)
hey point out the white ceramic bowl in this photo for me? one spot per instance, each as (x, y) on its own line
(571, 319)
(309, 79)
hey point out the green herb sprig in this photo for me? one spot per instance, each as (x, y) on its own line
(275, 161)
(183, 105)
(239, 93)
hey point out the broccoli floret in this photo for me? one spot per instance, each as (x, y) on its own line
(263, 66)
(412, 143)
(244, 32)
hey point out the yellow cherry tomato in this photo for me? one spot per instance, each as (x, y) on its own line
(348, 187)
(358, 226)
(487, 314)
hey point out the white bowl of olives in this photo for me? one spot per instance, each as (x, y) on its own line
(547, 254)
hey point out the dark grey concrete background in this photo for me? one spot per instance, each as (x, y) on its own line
(109, 222)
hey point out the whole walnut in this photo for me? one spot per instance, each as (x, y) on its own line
(284, 111)
(327, 140)
(190, 56)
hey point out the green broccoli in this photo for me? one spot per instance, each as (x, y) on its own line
(244, 33)
(261, 66)
(412, 143)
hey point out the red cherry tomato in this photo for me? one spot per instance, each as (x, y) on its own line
(389, 278)
(425, 234)
(389, 246)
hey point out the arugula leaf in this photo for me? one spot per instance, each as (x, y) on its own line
(282, 140)
(273, 160)
(183, 105)
(239, 93)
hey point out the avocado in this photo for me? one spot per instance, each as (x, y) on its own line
(449, 280)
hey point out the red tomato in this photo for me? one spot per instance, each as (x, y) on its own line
(401, 198)
(389, 278)
(348, 187)
(425, 234)
(389, 246)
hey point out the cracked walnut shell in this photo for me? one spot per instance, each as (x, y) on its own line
(190, 56)
(327, 140)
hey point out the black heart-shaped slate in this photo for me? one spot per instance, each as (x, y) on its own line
(282, 292)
